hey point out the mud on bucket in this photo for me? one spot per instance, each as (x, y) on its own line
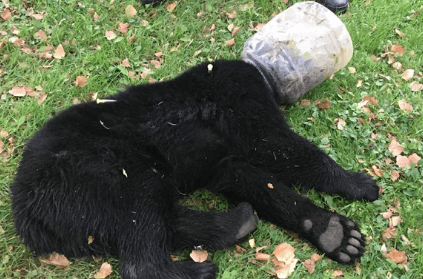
(298, 49)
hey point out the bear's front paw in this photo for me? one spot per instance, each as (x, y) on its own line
(339, 237)
(365, 187)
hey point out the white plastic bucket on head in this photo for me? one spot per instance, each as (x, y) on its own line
(298, 49)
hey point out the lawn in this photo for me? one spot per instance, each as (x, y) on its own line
(60, 52)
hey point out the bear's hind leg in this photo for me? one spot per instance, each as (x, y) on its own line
(213, 230)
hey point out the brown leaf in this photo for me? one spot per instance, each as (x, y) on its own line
(397, 49)
(371, 100)
(284, 252)
(397, 66)
(377, 171)
(395, 148)
(126, 63)
(394, 221)
(231, 15)
(38, 16)
(352, 70)
(123, 27)
(96, 16)
(405, 106)
(309, 265)
(90, 239)
(18, 91)
(416, 86)
(80, 81)
(414, 158)
(158, 54)
(130, 11)
(40, 34)
(324, 105)
(55, 259)
(3, 133)
(59, 53)
(337, 273)
(42, 98)
(145, 72)
(396, 256)
(395, 175)
(262, 257)
(408, 74)
(5, 14)
(110, 35)
(156, 63)
(270, 185)
(235, 31)
(341, 123)
(105, 270)
(230, 42)
(171, 7)
(199, 256)
(403, 161)
(305, 103)
(401, 34)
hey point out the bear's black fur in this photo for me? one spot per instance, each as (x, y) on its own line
(114, 170)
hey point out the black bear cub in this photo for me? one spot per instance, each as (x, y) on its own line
(113, 171)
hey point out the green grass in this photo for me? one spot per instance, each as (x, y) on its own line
(186, 28)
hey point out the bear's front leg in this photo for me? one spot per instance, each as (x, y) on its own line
(335, 235)
(296, 161)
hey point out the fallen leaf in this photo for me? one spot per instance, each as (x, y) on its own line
(377, 171)
(59, 53)
(252, 242)
(337, 273)
(40, 34)
(309, 265)
(341, 123)
(156, 63)
(352, 70)
(42, 98)
(5, 14)
(158, 54)
(235, 31)
(105, 270)
(230, 42)
(389, 233)
(359, 83)
(231, 15)
(405, 106)
(96, 16)
(230, 27)
(371, 100)
(199, 256)
(90, 239)
(324, 105)
(414, 158)
(126, 63)
(394, 221)
(403, 161)
(408, 74)
(416, 86)
(262, 257)
(110, 35)
(123, 27)
(397, 66)
(18, 91)
(130, 11)
(37, 16)
(401, 34)
(80, 81)
(397, 49)
(395, 148)
(270, 185)
(171, 7)
(395, 175)
(145, 72)
(284, 252)
(396, 256)
(55, 259)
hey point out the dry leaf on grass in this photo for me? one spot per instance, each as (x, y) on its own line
(126, 63)
(40, 34)
(405, 106)
(396, 256)
(199, 256)
(230, 42)
(341, 123)
(130, 11)
(337, 273)
(262, 257)
(284, 260)
(18, 91)
(395, 148)
(323, 105)
(59, 53)
(395, 175)
(105, 270)
(110, 35)
(397, 49)
(55, 259)
(123, 27)
(310, 264)
(408, 74)
(80, 81)
(5, 14)
(171, 7)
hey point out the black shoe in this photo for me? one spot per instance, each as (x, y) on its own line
(334, 5)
